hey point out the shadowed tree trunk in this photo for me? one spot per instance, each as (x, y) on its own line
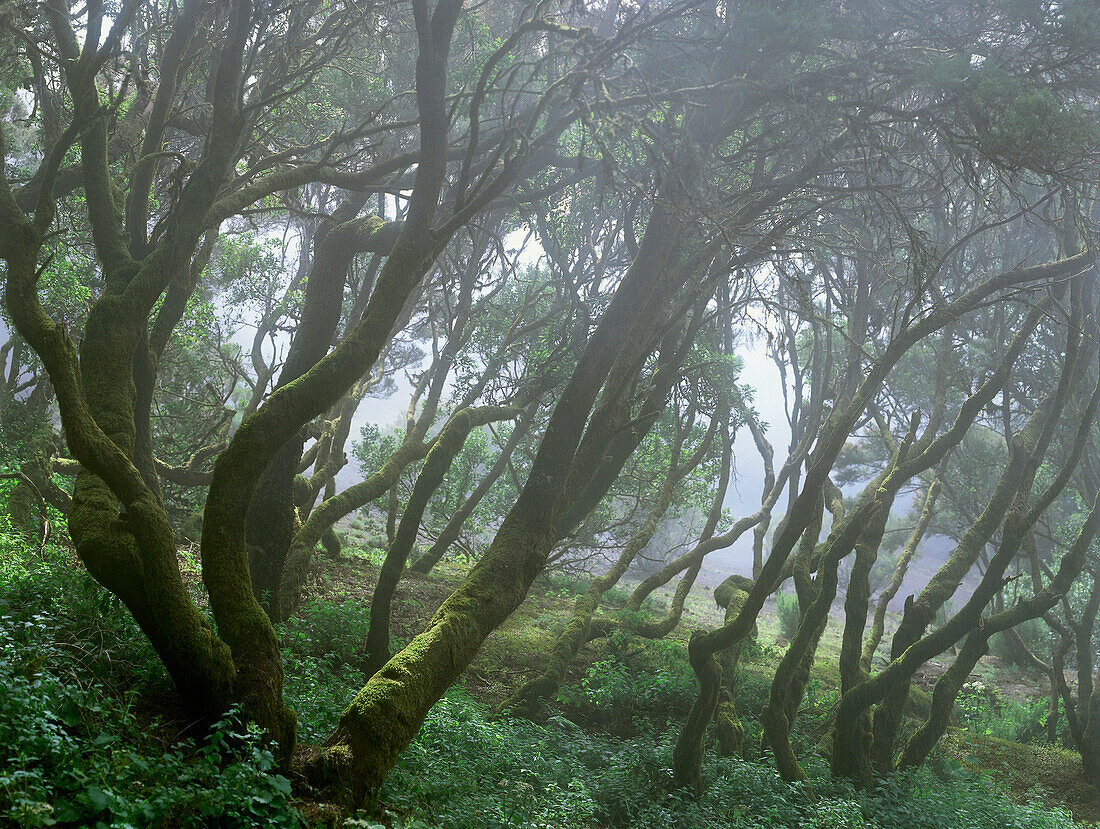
(443, 452)
(529, 699)
(1029, 446)
(1090, 743)
(976, 645)
(453, 528)
(272, 517)
(703, 646)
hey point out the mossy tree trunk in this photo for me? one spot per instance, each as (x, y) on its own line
(1090, 742)
(878, 624)
(801, 513)
(528, 700)
(1028, 448)
(326, 457)
(384, 480)
(731, 595)
(387, 712)
(976, 645)
(862, 528)
(118, 521)
(272, 515)
(443, 452)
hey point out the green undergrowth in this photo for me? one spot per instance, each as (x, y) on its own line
(77, 747)
(80, 744)
(632, 685)
(323, 651)
(467, 770)
(985, 711)
(1021, 767)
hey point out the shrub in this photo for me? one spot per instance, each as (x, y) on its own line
(68, 757)
(465, 770)
(786, 608)
(983, 709)
(633, 677)
(335, 632)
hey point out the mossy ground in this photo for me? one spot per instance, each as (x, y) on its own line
(1024, 768)
(515, 653)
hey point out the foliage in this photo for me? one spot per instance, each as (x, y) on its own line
(466, 770)
(631, 678)
(984, 710)
(76, 751)
(323, 649)
(329, 630)
(786, 608)
(77, 748)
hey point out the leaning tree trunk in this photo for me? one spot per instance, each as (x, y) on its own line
(387, 712)
(443, 452)
(528, 700)
(118, 521)
(703, 646)
(948, 686)
(272, 517)
(1090, 741)
(1029, 446)
(865, 526)
(878, 625)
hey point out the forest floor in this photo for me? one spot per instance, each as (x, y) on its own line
(517, 650)
(88, 738)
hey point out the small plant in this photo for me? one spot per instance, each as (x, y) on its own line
(72, 749)
(983, 709)
(333, 631)
(786, 608)
(633, 678)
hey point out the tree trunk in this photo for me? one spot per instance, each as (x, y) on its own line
(443, 452)
(388, 711)
(450, 532)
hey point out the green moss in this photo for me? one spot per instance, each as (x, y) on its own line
(1022, 768)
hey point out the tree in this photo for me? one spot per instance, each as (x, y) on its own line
(891, 193)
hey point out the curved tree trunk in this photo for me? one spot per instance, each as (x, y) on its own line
(874, 636)
(863, 528)
(272, 517)
(452, 529)
(118, 522)
(331, 510)
(443, 452)
(1029, 447)
(732, 593)
(1090, 742)
(387, 712)
(948, 686)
